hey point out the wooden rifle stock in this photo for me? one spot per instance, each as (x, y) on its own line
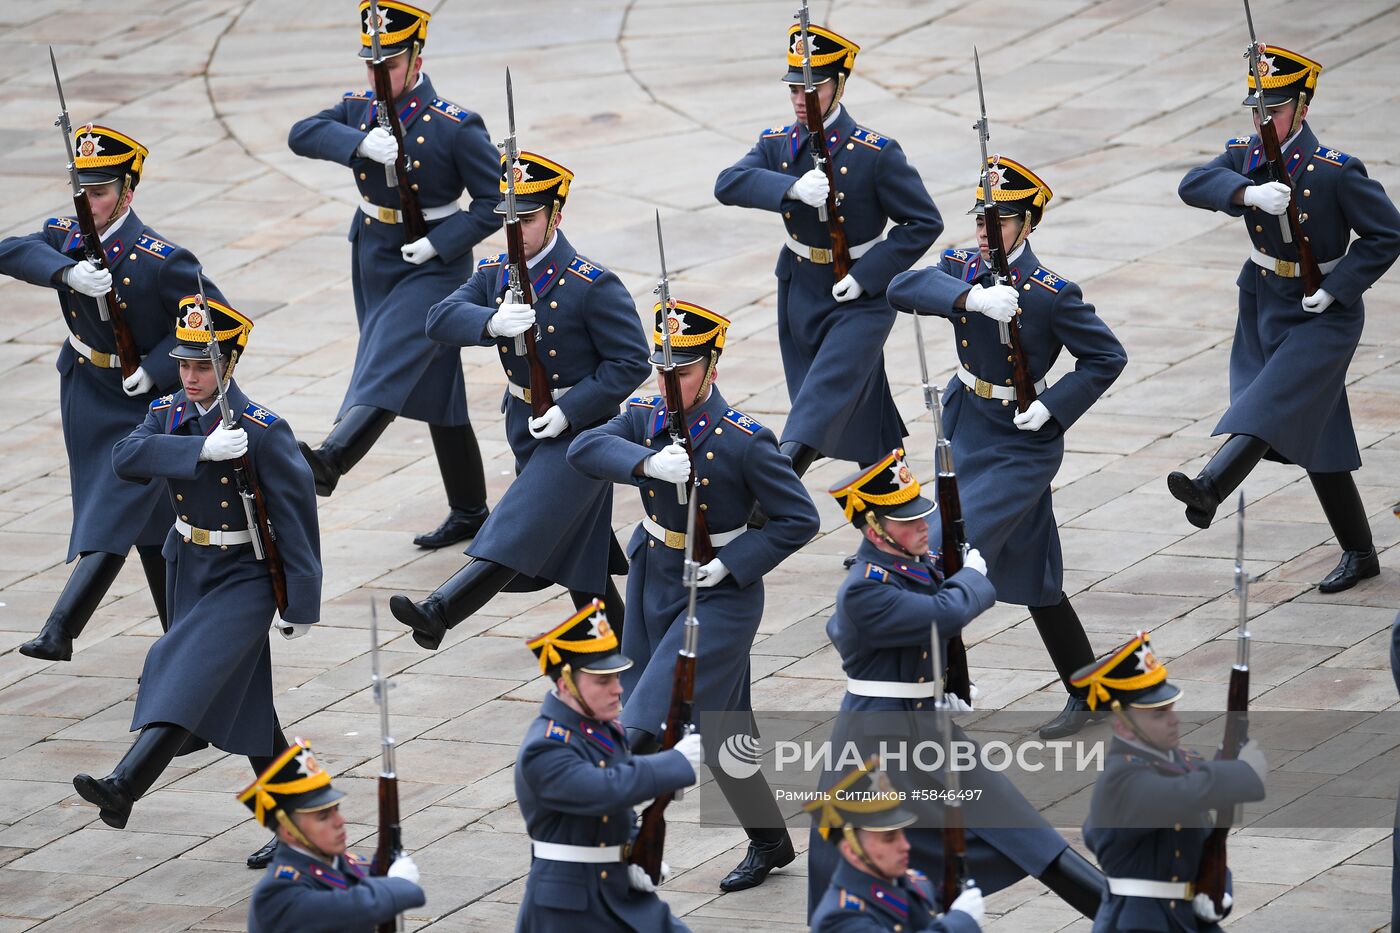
(540, 396)
(127, 354)
(1212, 873)
(1307, 262)
(414, 226)
(390, 838)
(704, 549)
(954, 855)
(272, 556)
(1021, 378)
(957, 678)
(650, 841)
(840, 248)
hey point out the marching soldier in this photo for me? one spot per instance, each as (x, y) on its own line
(577, 781)
(892, 596)
(98, 406)
(553, 525)
(1288, 362)
(873, 887)
(208, 680)
(737, 465)
(313, 883)
(832, 334)
(398, 370)
(1147, 821)
(1008, 459)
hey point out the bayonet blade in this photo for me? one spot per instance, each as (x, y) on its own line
(62, 103)
(1249, 18)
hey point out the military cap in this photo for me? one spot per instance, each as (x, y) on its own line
(833, 55)
(1014, 188)
(695, 333)
(862, 799)
(584, 641)
(400, 26)
(192, 330)
(1129, 676)
(889, 489)
(539, 183)
(1286, 76)
(294, 783)
(102, 155)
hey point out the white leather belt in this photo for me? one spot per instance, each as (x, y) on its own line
(824, 256)
(206, 538)
(1161, 890)
(1286, 269)
(893, 689)
(991, 390)
(523, 392)
(676, 539)
(96, 357)
(388, 215)
(589, 855)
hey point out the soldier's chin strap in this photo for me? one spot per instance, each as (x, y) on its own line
(1298, 114)
(555, 213)
(704, 389)
(566, 673)
(1023, 234)
(413, 51)
(835, 98)
(285, 820)
(1122, 715)
(852, 836)
(874, 524)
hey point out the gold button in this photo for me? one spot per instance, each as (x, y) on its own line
(224, 480)
(654, 518)
(964, 343)
(553, 304)
(843, 171)
(82, 360)
(705, 481)
(652, 493)
(223, 547)
(921, 679)
(962, 320)
(1311, 167)
(501, 299)
(367, 221)
(187, 539)
(1011, 359)
(709, 455)
(1008, 382)
(1307, 192)
(919, 705)
(784, 165)
(719, 430)
(416, 163)
(1176, 878)
(604, 872)
(120, 304)
(362, 126)
(1177, 827)
(549, 329)
(647, 442)
(1258, 228)
(787, 215)
(126, 281)
(362, 176)
(132, 257)
(508, 372)
(1004, 403)
(1302, 217)
(224, 527)
(850, 145)
(602, 764)
(605, 819)
(703, 507)
(224, 504)
(1264, 273)
(414, 186)
(554, 353)
(1176, 854)
(420, 141)
(184, 518)
(1026, 287)
(503, 349)
(651, 544)
(179, 497)
(554, 376)
(427, 118)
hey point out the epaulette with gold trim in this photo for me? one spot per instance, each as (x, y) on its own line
(869, 138)
(586, 270)
(1238, 142)
(286, 873)
(449, 110)
(557, 732)
(492, 261)
(59, 223)
(259, 415)
(644, 401)
(876, 572)
(157, 248)
(957, 255)
(1331, 156)
(848, 901)
(775, 132)
(1047, 279)
(742, 421)
(915, 874)
(359, 95)
(162, 403)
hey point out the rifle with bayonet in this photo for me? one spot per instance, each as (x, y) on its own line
(828, 213)
(954, 550)
(261, 536)
(1010, 332)
(1210, 877)
(955, 875)
(390, 845)
(650, 840)
(518, 270)
(1291, 223)
(109, 306)
(415, 227)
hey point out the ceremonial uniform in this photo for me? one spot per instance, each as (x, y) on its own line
(856, 902)
(577, 781)
(1005, 470)
(1288, 362)
(833, 350)
(150, 275)
(398, 370)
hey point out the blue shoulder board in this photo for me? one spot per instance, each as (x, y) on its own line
(259, 415)
(491, 261)
(1047, 279)
(876, 572)
(644, 401)
(585, 270)
(449, 110)
(1238, 142)
(162, 403)
(557, 732)
(287, 872)
(775, 132)
(741, 421)
(916, 875)
(157, 248)
(957, 255)
(869, 138)
(848, 901)
(359, 95)
(59, 223)
(1331, 156)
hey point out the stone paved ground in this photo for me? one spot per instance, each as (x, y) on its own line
(647, 100)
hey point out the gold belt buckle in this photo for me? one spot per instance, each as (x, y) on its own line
(387, 215)
(101, 359)
(525, 394)
(983, 389)
(821, 256)
(1285, 268)
(675, 539)
(200, 536)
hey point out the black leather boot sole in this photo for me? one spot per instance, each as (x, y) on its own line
(459, 525)
(92, 576)
(761, 859)
(1197, 495)
(1354, 567)
(428, 627)
(325, 476)
(263, 857)
(107, 793)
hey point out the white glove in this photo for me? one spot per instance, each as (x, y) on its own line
(225, 444)
(711, 574)
(511, 320)
(1033, 418)
(970, 903)
(639, 880)
(88, 279)
(550, 424)
(957, 704)
(138, 383)
(690, 747)
(292, 630)
(670, 464)
(811, 189)
(848, 289)
(997, 302)
(1202, 906)
(404, 867)
(380, 145)
(1318, 302)
(975, 561)
(1252, 755)
(418, 252)
(1271, 197)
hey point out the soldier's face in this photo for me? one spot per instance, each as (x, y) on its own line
(602, 693)
(103, 199)
(1010, 230)
(533, 228)
(798, 95)
(1281, 117)
(911, 535)
(324, 829)
(691, 377)
(1160, 727)
(197, 378)
(888, 851)
(398, 71)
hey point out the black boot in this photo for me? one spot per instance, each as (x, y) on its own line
(464, 479)
(351, 438)
(768, 849)
(802, 458)
(1069, 648)
(85, 588)
(642, 742)
(153, 563)
(139, 768)
(1218, 478)
(1077, 882)
(465, 592)
(263, 857)
(1342, 505)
